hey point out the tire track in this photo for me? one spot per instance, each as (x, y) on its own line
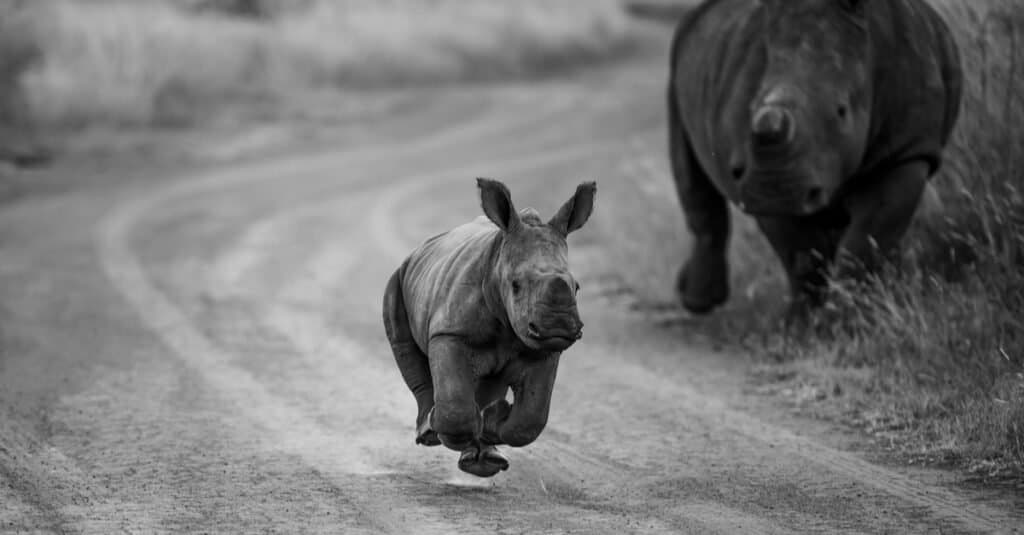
(291, 430)
(51, 486)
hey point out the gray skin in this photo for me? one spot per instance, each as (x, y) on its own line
(823, 119)
(484, 307)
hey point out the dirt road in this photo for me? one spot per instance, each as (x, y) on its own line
(205, 353)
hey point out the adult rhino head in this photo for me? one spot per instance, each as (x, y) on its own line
(810, 115)
(530, 279)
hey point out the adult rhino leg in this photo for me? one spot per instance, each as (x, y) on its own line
(412, 363)
(805, 249)
(703, 281)
(880, 214)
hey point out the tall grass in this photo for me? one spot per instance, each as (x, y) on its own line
(931, 354)
(156, 62)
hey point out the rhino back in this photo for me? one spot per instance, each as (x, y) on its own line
(718, 60)
(443, 280)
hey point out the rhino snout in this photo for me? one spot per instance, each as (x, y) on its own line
(772, 125)
(570, 331)
(551, 319)
(555, 330)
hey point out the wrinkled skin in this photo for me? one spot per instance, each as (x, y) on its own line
(480, 309)
(823, 119)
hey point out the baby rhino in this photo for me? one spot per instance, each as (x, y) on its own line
(487, 306)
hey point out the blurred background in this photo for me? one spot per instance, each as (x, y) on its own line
(71, 63)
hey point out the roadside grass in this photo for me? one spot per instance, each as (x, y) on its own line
(928, 358)
(157, 63)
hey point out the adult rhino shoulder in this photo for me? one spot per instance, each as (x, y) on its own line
(824, 119)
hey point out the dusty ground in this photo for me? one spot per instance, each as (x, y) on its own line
(197, 346)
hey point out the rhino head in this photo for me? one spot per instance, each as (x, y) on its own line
(530, 277)
(810, 116)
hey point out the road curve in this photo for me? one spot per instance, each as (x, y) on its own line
(207, 354)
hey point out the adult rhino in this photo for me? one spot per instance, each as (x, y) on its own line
(823, 119)
(485, 307)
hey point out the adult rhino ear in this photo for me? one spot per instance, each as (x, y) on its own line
(576, 211)
(497, 203)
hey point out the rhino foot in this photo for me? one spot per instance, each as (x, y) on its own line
(482, 460)
(702, 287)
(425, 436)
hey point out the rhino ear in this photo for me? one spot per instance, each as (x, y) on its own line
(497, 203)
(576, 211)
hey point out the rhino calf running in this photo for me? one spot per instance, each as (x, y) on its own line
(823, 119)
(484, 307)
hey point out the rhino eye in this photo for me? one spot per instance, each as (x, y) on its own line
(842, 112)
(516, 287)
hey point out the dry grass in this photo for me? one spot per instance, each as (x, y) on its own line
(153, 62)
(934, 357)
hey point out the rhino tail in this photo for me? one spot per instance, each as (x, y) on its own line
(412, 362)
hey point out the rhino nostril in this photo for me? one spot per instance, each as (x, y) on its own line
(532, 329)
(738, 172)
(815, 197)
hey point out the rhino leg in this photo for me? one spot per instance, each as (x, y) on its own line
(490, 390)
(520, 423)
(456, 416)
(880, 214)
(412, 363)
(482, 460)
(703, 281)
(805, 250)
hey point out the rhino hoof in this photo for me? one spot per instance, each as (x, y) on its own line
(699, 299)
(425, 436)
(482, 461)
